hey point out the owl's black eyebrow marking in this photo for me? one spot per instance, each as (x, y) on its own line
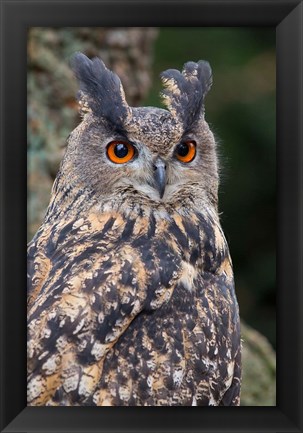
(117, 129)
(188, 133)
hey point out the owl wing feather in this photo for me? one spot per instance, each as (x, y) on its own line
(184, 352)
(97, 279)
(79, 307)
(87, 282)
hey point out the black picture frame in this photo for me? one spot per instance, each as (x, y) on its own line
(16, 18)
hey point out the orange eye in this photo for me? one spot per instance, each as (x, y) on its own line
(186, 151)
(120, 152)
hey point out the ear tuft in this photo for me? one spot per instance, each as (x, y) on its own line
(184, 92)
(101, 91)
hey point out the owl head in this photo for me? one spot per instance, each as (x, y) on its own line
(143, 154)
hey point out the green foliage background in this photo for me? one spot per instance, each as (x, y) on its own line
(241, 111)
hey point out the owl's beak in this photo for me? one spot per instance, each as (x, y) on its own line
(160, 176)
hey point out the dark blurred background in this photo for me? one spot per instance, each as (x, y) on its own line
(241, 111)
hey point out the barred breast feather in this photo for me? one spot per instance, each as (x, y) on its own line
(132, 311)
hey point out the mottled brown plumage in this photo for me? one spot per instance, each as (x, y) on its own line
(131, 295)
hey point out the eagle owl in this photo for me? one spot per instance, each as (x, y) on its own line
(131, 296)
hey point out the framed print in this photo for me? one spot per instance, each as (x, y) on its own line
(285, 19)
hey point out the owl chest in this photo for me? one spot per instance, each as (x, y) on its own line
(181, 249)
(167, 252)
